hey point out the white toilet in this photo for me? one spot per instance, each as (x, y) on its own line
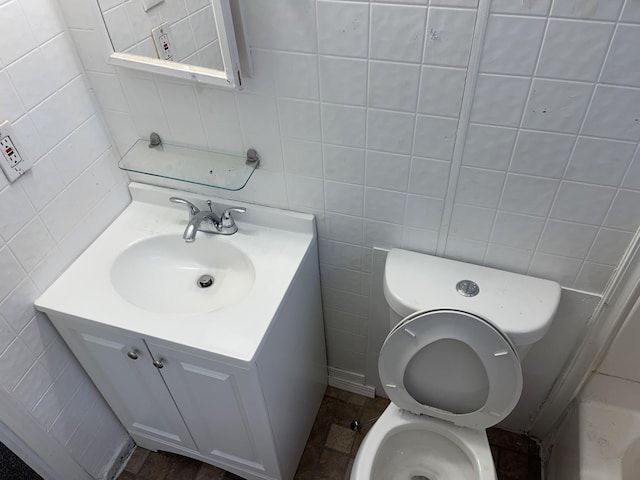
(450, 365)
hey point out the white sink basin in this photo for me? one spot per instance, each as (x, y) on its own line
(139, 275)
(161, 274)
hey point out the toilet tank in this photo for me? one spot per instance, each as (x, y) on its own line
(521, 306)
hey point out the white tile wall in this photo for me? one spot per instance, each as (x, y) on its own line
(73, 191)
(356, 107)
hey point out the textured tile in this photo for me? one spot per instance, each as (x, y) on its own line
(340, 438)
(136, 461)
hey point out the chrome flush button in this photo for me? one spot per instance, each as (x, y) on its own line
(467, 288)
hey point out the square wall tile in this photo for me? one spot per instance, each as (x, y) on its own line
(397, 32)
(384, 205)
(32, 244)
(518, 231)
(465, 250)
(614, 114)
(478, 187)
(599, 161)
(609, 246)
(608, 10)
(295, 75)
(593, 277)
(381, 234)
(393, 86)
(471, 223)
(17, 307)
(11, 274)
(574, 50)
(387, 170)
(625, 211)
(563, 270)
(424, 212)
(528, 195)
(429, 177)
(183, 113)
(26, 73)
(258, 117)
(10, 103)
(617, 68)
(441, 91)
(499, 100)
(299, 119)
(578, 202)
(302, 157)
(418, 240)
(305, 192)
(567, 239)
(542, 154)
(15, 210)
(343, 80)
(631, 12)
(342, 125)
(508, 258)
(632, 177)
(343, 164)
(15, 46)
(343, 228)
(449, 36)
(344, 198)
(389, 131)
(537, 7)
(61, 113)
(488, 147)
(435, 137)
(518, 55)
(343, 28)
(283, 25)
(557, 106)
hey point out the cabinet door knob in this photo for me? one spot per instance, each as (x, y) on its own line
(133, 354)
(158, 363)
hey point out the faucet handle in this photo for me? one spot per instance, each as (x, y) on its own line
(226, 220)
(192, 208)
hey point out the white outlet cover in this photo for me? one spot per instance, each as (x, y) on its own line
(12, 160)
(163, 41)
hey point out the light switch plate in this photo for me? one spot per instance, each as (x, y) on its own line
(12, 159)
(149, 4)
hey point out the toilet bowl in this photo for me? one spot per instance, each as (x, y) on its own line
(450, 365)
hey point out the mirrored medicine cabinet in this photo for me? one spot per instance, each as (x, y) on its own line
(199, 40)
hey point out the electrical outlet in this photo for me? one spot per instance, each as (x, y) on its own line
(163, 41)
(12, 161)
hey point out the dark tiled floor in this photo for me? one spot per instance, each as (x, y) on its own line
(331, 447)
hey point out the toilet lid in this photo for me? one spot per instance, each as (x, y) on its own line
(451, 365)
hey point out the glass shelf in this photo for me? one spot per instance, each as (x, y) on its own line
(196, 165)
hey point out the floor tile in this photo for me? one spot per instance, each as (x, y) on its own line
(332, 446)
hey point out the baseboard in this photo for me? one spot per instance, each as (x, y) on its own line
(350, 381)
(121, 459)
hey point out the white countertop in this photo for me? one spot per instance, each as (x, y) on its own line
(275, 240)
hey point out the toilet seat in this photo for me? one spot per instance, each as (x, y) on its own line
(451, 365)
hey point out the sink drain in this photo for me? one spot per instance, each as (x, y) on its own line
(205, 281)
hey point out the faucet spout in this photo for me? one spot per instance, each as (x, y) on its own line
(203, 221)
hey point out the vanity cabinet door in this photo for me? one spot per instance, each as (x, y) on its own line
(122, 369)
(209, 396)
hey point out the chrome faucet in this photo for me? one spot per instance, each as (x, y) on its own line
(203, 221)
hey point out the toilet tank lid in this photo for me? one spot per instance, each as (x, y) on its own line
(521, 306)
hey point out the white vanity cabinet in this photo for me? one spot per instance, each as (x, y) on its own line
(235, 383)
(174, 400)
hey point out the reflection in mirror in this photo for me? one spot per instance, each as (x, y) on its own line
(176, 30)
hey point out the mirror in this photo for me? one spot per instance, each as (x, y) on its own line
(192, 39)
